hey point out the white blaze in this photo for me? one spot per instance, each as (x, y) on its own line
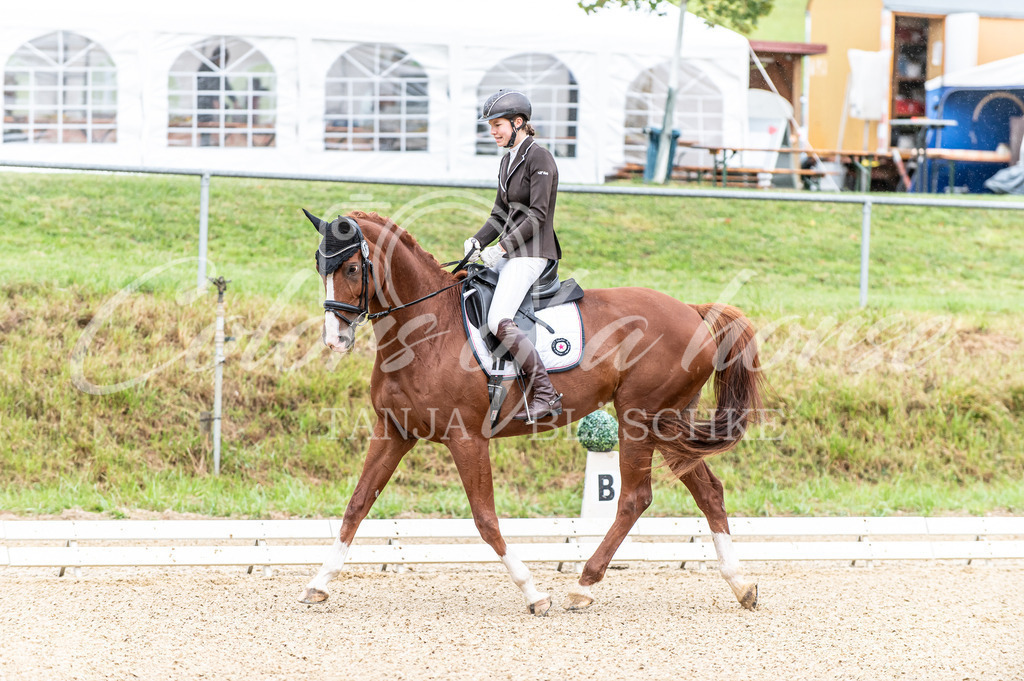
(332, 325)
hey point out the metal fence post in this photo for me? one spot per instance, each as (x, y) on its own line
(204, 220)
(865, 251)
(218, 370)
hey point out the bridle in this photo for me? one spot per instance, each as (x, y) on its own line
(362, 310)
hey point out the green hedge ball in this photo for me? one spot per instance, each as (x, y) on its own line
(598, 432)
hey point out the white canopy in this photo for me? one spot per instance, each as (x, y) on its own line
(1004, 73)
(455, 42)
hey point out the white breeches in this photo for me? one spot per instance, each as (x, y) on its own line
(517, 276)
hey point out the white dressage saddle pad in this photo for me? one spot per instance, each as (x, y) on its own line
(560, 351)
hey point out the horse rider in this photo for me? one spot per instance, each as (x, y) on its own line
(522, 221)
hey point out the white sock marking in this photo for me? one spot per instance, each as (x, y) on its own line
(522, 578)
(728, 563)
(580, 590)
(331, 567)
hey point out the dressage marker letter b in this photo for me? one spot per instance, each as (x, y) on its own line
(600, 485)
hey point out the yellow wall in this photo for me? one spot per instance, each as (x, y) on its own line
(999, 39)
(857, 24)
(842, 25)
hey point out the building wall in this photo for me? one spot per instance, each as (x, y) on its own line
(841, 25)
(999, 39)
(845, 25)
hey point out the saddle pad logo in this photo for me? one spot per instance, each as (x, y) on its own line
(561, 347)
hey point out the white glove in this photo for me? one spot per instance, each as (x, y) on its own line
(492, 255)
(471, 246)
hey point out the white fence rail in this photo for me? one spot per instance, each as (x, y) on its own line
(24, 543)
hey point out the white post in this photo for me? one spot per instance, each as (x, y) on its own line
(662, 167)
(805, 77)
(218, 371)
(204, 219)
(601, 485)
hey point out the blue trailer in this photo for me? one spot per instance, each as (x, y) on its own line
(982, 100)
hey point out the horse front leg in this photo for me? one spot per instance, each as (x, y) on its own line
(636, 495)
(385, 452)
(709, 494)
(474, 466)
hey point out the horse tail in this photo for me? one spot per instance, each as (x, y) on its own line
(683, 439)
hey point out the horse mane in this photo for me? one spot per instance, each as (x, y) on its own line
(404, 237)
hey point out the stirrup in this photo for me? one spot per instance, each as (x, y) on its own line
(531, 419)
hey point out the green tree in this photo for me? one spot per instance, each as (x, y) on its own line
(739, 15)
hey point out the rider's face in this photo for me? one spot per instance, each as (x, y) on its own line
(501, 131)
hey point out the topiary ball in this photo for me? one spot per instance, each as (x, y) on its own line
(598, 432)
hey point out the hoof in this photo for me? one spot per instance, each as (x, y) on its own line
(540, 608)
(576, 601)
(748, 599)
(313, 596)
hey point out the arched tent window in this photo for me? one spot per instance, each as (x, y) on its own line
(221, 93)
(699, 110)
(376, 101)
(553, 92)
(60, 88)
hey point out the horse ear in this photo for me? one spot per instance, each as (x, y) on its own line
(317, 222)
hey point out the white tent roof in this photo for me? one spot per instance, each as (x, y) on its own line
(1007, 72)
(455, 41)
(554, 25)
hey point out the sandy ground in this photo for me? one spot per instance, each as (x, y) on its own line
(892, 621)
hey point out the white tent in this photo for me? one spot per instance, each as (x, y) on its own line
(1003, 73)
(455, 46)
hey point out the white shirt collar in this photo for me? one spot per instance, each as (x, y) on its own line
(514, 150)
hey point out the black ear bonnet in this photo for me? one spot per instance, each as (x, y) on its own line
(340, 240)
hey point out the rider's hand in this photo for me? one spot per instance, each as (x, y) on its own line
(471, 246)
(492, 255)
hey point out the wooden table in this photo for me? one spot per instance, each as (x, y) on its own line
(922, 125)
(952, 156)
(859, 158)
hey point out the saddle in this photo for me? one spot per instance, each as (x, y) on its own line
(550, 303)
(548, 292)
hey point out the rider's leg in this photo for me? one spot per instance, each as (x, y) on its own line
(542, 399)
(518, 275)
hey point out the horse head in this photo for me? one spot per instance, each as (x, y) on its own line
(343, 264)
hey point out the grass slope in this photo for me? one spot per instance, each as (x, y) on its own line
(912, 405)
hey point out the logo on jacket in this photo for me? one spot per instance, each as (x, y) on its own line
(561, 347)
(543, 172)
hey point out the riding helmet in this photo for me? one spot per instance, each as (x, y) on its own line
(506, 104)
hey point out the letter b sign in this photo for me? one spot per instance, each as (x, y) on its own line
(600, 485)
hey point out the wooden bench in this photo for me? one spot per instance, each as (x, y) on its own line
(736, 177)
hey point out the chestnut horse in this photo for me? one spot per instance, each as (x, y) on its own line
(647, 353)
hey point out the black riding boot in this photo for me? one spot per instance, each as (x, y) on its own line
(542, 398)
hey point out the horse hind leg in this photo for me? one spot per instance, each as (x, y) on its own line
(708, 492)
(635, 496)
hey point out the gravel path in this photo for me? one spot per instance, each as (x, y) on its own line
(894, 621)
